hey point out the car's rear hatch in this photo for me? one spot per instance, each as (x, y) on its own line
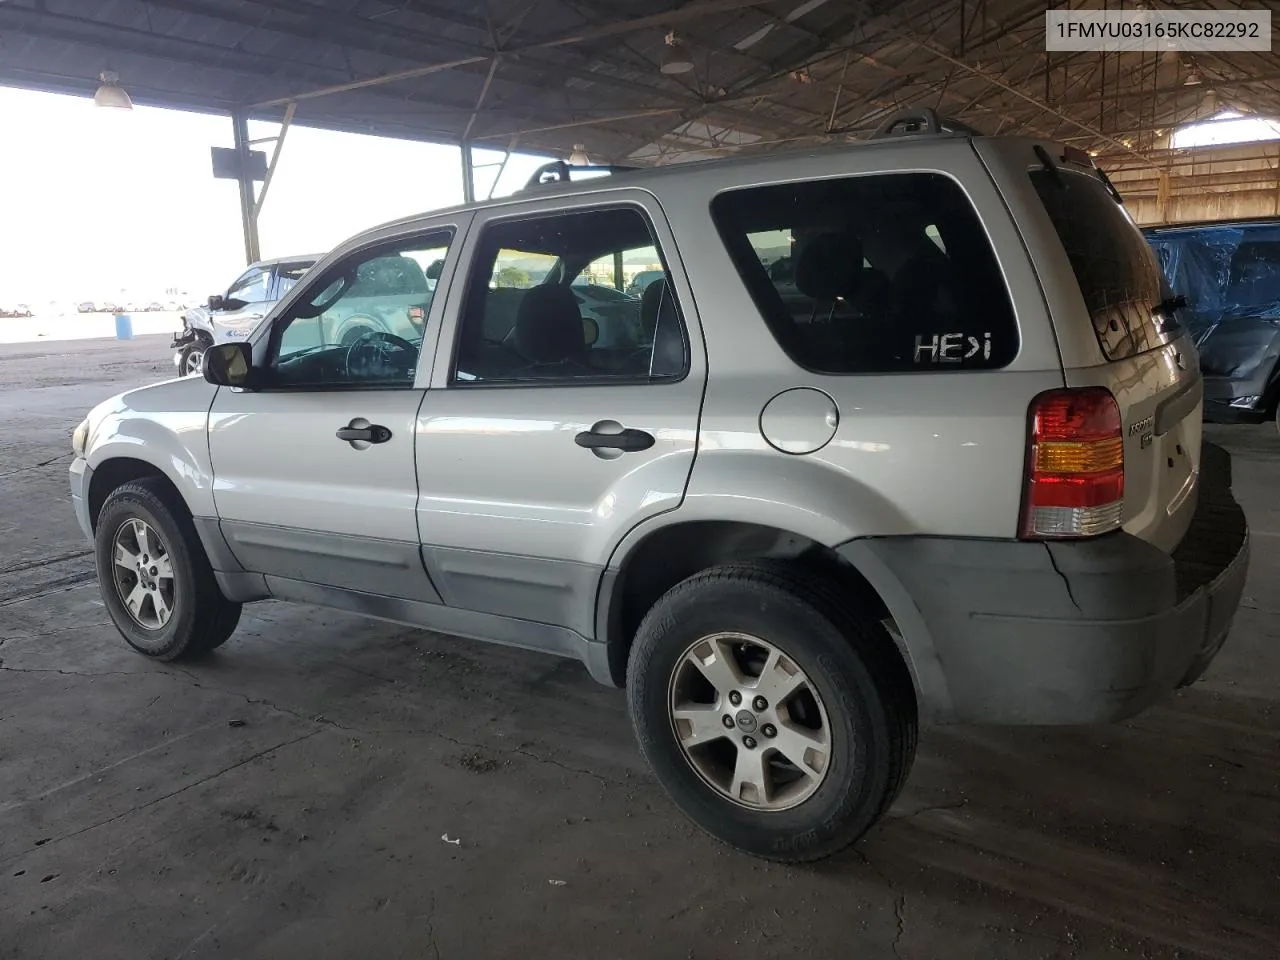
(1117, 327)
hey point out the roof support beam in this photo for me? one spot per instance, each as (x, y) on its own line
(688, 12)
(1034, 101)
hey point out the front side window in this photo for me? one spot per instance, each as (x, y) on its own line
(871, 274)
(252, 287)
(364, 323)
(547, 301)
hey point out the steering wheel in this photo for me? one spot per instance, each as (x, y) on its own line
(376, 349)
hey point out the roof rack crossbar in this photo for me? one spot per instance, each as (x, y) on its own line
(914, 120)
(557, 171)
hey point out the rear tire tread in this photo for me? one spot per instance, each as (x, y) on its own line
(872, 644)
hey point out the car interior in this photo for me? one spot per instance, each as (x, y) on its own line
(856, 274)
(385, 301)
(538, 332)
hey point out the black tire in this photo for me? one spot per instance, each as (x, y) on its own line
(201, 618)
(852, 664)
(197, 348)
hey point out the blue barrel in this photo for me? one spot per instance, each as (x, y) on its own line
(124, 326)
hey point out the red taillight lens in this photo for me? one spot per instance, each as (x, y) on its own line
(1075, 465)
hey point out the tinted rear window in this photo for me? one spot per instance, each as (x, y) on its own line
(1117, 270)
(871, 274)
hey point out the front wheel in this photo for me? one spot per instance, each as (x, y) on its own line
(155, 579)
(779, 719)
(191, 362)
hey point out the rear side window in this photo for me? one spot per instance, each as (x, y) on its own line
(1117, 270)
(871, 274)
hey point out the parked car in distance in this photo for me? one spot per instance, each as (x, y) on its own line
(233, 315)
(1229, 274)
(955, 474)
(616, 314)
(641, 280)
(86, 306)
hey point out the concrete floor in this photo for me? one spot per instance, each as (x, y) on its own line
(298, 795)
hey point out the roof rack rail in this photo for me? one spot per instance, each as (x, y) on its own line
(915, 120)
(557, 171)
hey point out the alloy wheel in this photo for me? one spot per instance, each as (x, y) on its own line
(142, 572)
(749, 721)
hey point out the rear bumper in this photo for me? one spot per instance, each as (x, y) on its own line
(1069, 632)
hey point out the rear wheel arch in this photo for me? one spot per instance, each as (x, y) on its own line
(672, 553)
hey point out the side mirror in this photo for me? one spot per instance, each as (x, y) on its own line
(215, 302)
(435, 269)
(229, 364)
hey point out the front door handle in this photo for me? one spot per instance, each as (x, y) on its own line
(361, 431)
(628, 440)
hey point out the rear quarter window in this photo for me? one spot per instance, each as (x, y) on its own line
(887, 273)
(1118, 272)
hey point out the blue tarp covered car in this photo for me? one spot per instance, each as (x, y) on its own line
(1230, 276)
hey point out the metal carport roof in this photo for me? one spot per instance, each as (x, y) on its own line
(544, 75)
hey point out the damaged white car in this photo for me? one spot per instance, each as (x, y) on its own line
(235, 314)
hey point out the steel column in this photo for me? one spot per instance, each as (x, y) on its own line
(248, 219)
(468, 174)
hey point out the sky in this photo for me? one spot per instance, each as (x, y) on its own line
(1227, 127)
(96, 203)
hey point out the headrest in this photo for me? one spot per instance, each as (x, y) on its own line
(829, 265)
(549, 325)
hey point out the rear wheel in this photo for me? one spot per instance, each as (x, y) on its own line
(155, 579)
(779, 719)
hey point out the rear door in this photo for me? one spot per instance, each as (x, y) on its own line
(1117, 329)
(542, 442)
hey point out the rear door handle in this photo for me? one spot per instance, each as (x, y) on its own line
(372, 433)
(628, 440)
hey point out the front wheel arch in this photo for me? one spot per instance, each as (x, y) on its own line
(116, 472)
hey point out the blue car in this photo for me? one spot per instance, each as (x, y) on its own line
(1229, 273)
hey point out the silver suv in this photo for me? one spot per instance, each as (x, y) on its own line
(911, 430)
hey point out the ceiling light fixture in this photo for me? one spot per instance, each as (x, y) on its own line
(579, 158)
(675, 56)
(1193, 78)
(110, 93)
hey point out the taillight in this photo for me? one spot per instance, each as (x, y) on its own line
(1075, 465)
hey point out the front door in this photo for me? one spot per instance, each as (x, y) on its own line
(546, 437)
(314, 473)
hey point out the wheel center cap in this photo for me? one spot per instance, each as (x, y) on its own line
(746, 721)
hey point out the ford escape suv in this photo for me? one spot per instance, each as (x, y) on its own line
(909, 430)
